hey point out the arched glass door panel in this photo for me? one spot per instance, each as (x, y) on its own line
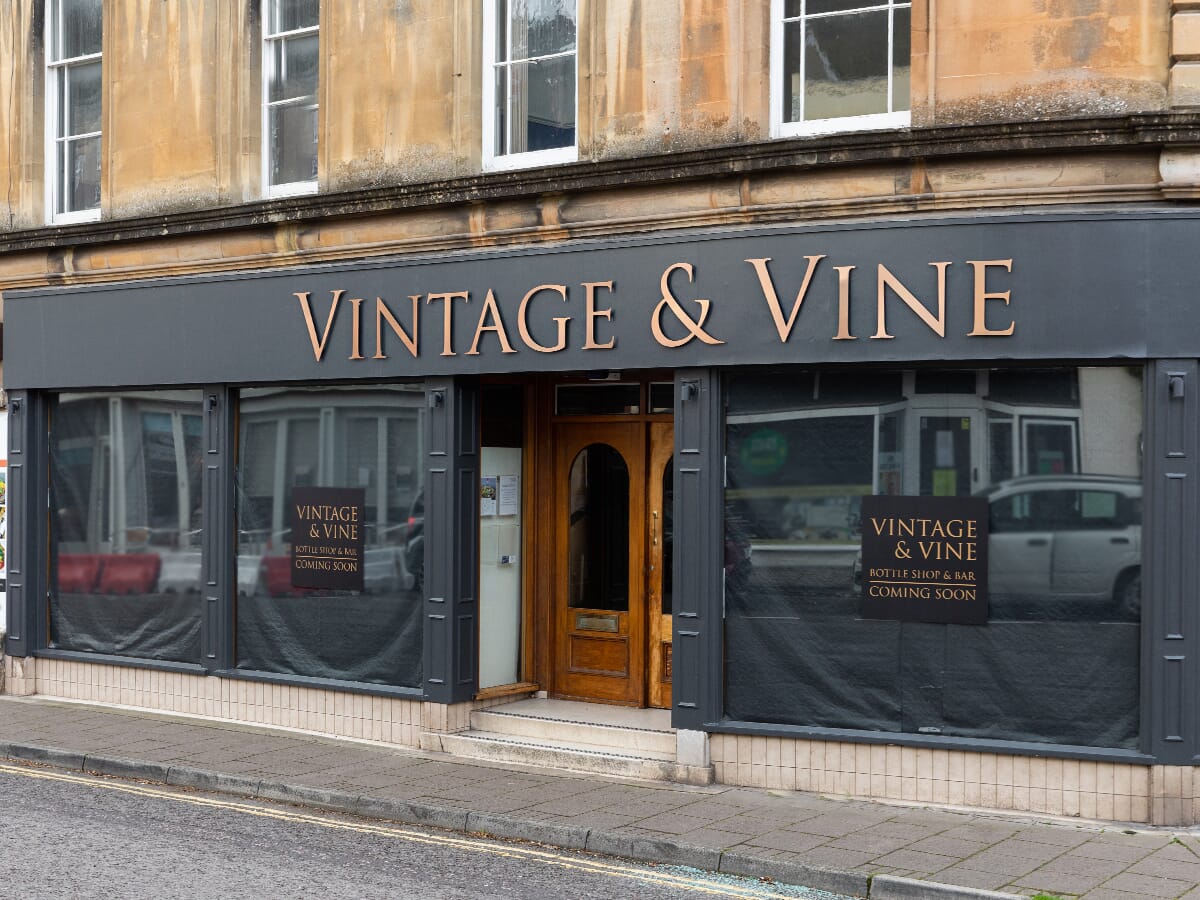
(598, 530)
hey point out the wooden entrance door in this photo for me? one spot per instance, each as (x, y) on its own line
(612, 542)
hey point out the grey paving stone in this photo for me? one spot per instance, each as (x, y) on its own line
(1003, 864)
(790, 841)
(1147, 884)
(1072, 864)
(1060, 882)
(710, 837)
(671, 823)
(972, 878)
(874, 843)
(833, 824)
(916, 860)
(1110, 850)
(829, 858)
(1103, 893)
(947, 846)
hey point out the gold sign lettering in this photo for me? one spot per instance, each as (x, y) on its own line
(497, 326)
(560, 321)
(598, 321)
(318, 346)
(593, 314)
(448, 317)
(982, 296)
(383, 314)
(937, 324)
(783, 326)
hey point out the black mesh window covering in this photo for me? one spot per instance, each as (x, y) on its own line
(1057, 661)
(368, 438)
(125, 524)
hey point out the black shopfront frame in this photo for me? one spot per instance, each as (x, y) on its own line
(1091, 288)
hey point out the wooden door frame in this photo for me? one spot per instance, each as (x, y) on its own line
(629, 439)
(660, 451)
(539, 625)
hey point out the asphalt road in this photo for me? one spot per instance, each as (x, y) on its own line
(68, 835)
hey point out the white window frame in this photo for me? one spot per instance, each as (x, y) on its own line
(269, 39)
(56, 70)
(499, 162)
(873, 122)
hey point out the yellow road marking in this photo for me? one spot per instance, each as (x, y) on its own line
(411, 835)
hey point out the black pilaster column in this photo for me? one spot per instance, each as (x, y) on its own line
(1171, 562)
(28, 463)
(699, 555)
(218, 545)
(451, 551)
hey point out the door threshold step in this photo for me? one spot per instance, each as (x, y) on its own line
(539, 729)
(561, 755)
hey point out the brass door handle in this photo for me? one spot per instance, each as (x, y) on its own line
(654, 527)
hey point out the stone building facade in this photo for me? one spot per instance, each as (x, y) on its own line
(617, 319)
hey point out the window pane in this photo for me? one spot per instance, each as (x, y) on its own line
(596, 399)
(293, 143)
(1057, 661)
(846, 66)
(125, 524)
(81, 100)
(902, 60)
(79, 175)
(80, 28)
(540, 27)
(288, 15)
(828, 6)
(792, 8)
(294, 68)
(331, 438)
(793, 36)
(541, 102)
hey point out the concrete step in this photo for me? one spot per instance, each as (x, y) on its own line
(557, 754)
(538, 729)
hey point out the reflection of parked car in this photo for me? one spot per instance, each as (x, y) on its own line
(1075, 537)
(1067, 538)
(414, 544)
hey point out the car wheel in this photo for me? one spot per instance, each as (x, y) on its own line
(1127, 597)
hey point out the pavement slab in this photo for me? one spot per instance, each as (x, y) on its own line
(859, 847)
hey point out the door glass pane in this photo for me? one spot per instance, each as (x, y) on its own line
(598, 530)
(945, 456)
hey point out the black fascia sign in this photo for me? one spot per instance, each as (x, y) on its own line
(925, 559)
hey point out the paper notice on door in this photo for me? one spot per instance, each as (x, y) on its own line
(509, 502)
(944, 450)
(487, 496)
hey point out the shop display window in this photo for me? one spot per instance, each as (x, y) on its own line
(125, 524)
(305, 447)
(1055, 453)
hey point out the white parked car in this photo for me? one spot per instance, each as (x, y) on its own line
(1072, 537)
